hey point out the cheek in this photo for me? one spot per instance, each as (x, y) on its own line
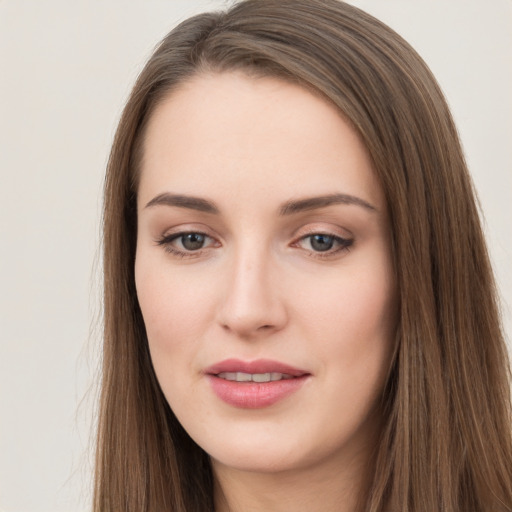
(354, 336)
(172, 303)
(352, 318)
(354, 305)
(174, 309)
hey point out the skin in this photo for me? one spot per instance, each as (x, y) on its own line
(259, 287)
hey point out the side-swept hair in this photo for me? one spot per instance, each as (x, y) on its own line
(446, 444)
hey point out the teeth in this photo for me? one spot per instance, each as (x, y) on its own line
(261, 377)
(254, 377)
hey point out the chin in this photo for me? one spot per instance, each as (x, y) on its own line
(252, 451)
(256, 461)
(267, 454)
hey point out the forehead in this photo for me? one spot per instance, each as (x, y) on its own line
(228, 131)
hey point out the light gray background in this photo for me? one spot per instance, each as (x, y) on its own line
(65, 70)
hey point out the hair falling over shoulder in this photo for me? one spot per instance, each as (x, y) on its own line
(446, 443)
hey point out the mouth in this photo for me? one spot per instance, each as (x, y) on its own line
(255, 384)
(260, 370)
(254, 377)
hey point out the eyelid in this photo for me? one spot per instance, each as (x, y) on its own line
(324, 228)
(182, 229)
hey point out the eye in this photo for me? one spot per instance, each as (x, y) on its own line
(192, 241)
(186, 243)
(324, 244)
(321, 243)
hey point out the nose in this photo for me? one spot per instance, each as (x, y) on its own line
(253, 305)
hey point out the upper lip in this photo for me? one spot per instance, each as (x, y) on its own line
(256, 366)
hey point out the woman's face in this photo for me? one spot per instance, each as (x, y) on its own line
(264, 273)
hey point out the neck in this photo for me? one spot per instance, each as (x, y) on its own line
(327, 489)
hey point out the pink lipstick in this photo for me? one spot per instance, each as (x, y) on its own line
(254, 384)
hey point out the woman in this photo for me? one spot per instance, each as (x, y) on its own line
(299, 308)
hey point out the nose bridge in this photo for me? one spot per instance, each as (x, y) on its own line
(252, 303)
(250, 276)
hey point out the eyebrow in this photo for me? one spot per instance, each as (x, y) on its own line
(182, 201)
(288, 208)
(313, 203)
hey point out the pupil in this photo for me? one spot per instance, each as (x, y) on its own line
(192, 241)
(322, 242)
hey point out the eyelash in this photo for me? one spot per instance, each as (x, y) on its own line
(344, 244)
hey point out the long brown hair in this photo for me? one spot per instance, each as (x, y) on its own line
(446, 444)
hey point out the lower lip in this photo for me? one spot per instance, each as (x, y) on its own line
(253, 395)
